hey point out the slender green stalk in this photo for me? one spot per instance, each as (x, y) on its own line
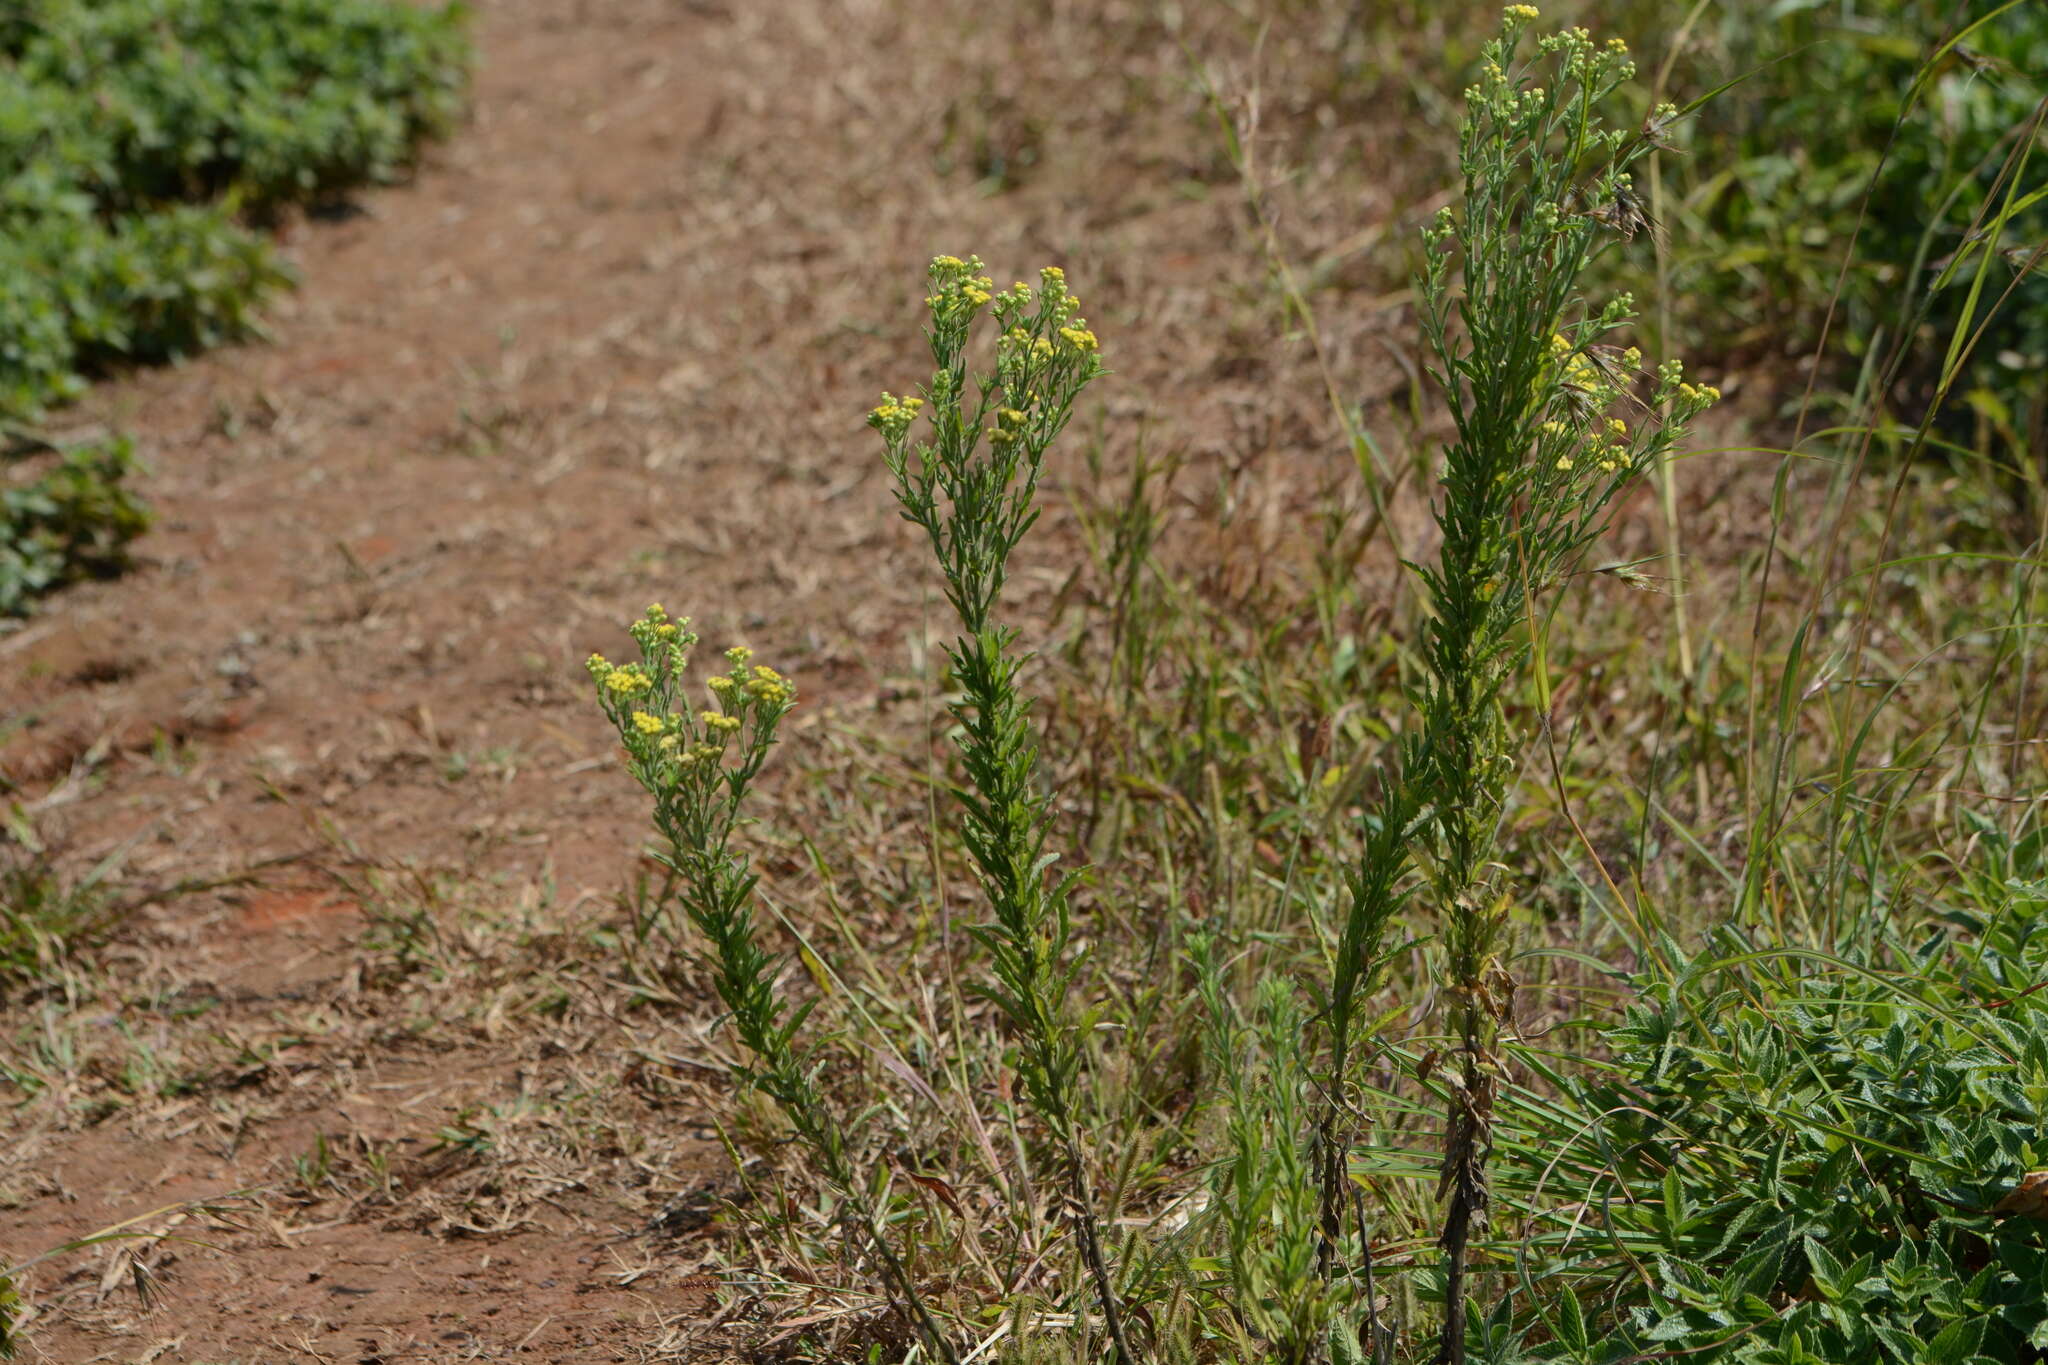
(1540, 451)
(973, 487)
(698, 766)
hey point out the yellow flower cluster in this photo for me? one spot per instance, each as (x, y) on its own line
(770, 686)
(692, 756)
(718, 720)
(953, 277)
(893, 416)
(1581, 373)
(625, 680)
(1520, 13)
(656, 633)
(1022, 340)
(646, 724)
(1080, 338)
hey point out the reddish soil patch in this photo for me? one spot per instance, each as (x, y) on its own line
(275, 909)
(612, 346)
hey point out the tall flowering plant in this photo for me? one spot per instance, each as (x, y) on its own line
(1551, 423)
(698, 759)
(971, 482)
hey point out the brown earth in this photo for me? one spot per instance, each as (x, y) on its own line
(612, 346)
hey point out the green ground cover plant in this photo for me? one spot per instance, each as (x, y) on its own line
(1795, 1157)
(73, 521)
(141, 144)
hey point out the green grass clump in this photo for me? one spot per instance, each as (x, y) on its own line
(1800, 214)
(49, 922)
(137, 140)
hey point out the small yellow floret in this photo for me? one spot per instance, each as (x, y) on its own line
(629, 681)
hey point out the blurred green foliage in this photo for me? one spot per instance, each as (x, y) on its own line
(73, 521)
(138, 138)
(1901, 126)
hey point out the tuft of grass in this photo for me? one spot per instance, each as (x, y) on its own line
(51, 922)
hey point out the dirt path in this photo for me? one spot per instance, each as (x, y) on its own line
(611, 347)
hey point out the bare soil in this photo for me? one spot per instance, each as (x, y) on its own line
(612, 345)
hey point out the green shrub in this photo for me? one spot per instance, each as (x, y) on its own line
(133, 135)
(272, 101)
